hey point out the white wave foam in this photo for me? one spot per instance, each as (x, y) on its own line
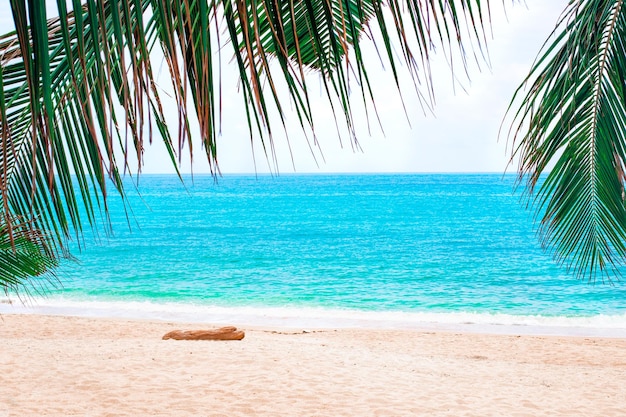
(303, 318)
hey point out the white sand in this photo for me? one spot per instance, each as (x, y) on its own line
(69, 366)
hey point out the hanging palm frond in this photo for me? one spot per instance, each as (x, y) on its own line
(24, 256)
(79, 97)
(572, 123)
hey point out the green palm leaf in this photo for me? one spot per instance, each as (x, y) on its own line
(574, 117)
(24, 255)
(78, 94)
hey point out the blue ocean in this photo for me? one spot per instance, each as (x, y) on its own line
(328, 250)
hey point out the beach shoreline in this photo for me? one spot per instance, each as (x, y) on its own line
(294, 318)
(68, 365)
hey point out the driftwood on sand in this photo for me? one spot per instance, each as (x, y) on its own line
(223, 333)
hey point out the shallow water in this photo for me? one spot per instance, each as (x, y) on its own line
(441, 248)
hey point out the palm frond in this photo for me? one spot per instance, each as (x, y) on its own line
(78, 94)
(24, 256)
(64, 81)
(572, 123)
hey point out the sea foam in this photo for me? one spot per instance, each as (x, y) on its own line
(323, 318)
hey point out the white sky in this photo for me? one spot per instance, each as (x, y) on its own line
(462, 136)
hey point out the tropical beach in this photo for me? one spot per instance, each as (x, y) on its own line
(442, 304)
(72, 366)
(415, 278)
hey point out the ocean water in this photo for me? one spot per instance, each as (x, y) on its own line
(330, 250)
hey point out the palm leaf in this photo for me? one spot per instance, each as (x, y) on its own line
(24, 256)
(573, 118)
(60, 111)
(78, 93)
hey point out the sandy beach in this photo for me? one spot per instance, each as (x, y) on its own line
(73, 366)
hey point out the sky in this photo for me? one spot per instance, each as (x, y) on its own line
(461, 135)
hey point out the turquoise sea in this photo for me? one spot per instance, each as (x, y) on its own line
(330, 250)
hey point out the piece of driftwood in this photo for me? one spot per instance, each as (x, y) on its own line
(223, 333)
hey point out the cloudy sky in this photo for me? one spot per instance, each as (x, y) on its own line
(461, 135)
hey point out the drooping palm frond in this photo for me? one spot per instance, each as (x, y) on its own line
(326, 37)
(79, 96)
(24, 255)
(572, 123)
(64, 81)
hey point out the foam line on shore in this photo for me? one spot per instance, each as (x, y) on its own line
(321, 318)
